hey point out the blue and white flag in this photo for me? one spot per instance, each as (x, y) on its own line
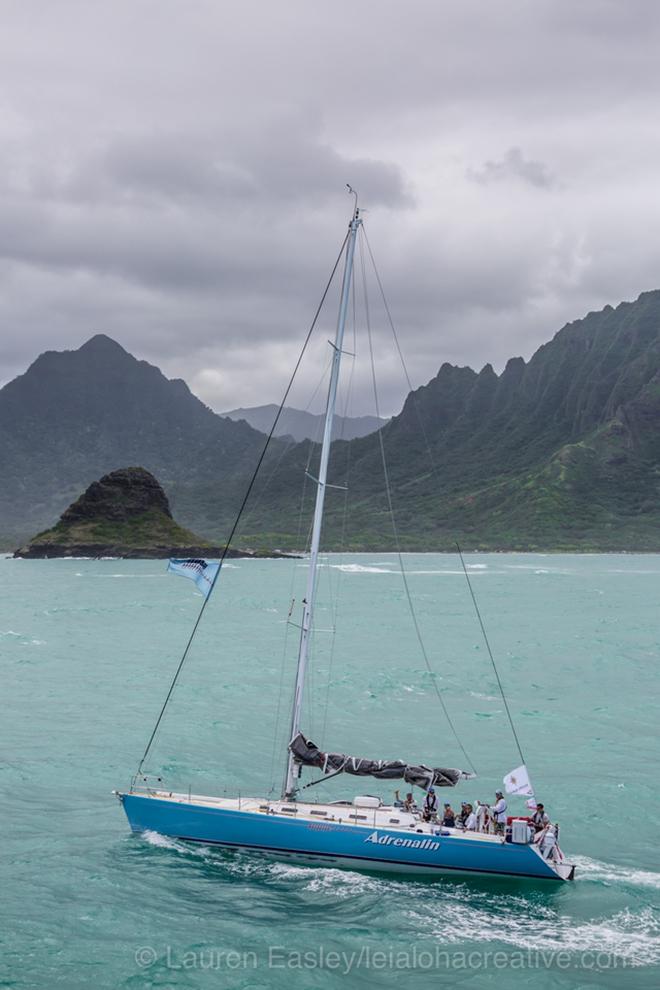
(198, 570)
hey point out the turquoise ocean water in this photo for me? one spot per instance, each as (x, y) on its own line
(87, 649)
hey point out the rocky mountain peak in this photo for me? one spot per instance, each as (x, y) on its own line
(100, 343)
(119, 496)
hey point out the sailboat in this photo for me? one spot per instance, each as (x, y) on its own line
(362, 832)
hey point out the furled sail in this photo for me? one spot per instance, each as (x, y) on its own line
(308, 754)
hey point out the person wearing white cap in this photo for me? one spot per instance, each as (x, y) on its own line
(498, 811)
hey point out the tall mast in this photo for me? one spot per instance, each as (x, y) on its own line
(308, 605)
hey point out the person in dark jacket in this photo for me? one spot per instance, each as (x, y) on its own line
(540, 819)
(430, 805)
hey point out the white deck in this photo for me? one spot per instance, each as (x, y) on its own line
(386, 816)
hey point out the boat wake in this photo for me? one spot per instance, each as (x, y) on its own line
(454, 913)
(609, 873)
(459, 914)
(165, 842)
(632, 936)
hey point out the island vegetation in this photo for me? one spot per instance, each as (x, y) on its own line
(558, 453)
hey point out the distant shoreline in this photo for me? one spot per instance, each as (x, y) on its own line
(10, 554)
(145, 553)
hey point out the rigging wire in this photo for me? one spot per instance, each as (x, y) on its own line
(395, 531)
(411, 390)
(271, 773)
(243, 504)
(435, 472)
(490, 653)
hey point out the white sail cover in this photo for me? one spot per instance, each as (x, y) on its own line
(308, 754)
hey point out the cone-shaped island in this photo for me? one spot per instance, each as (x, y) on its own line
(125, 514)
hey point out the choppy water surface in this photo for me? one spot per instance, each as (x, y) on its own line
(87, 649)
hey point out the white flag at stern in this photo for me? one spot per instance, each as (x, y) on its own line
(518, 782)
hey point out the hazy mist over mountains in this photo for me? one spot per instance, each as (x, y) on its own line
(302, 425)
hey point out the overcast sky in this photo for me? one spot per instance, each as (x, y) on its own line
(172, 174)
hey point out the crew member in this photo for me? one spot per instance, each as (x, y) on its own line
(430, 805)
(449, 818)
(460, 821)
(498, 812)
(540, 819)
(471, 819)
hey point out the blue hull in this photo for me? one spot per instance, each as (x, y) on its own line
(334, 844)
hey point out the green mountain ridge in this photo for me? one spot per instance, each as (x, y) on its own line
(560, 452)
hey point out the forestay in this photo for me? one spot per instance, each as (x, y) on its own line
(307, 753)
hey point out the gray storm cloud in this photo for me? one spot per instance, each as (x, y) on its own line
(513, 166)
(174, 175)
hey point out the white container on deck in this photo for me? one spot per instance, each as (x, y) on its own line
(520, 831)
(366, 801)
